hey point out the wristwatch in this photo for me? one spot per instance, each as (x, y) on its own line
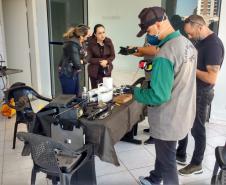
(136, 50)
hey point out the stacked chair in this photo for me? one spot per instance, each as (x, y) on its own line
(24, 112)
(219, 172)
(59, 150)
(60, 163)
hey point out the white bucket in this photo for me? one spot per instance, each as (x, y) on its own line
(104, 94)
(108, 82)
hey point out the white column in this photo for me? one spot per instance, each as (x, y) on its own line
(2, 35)
(2, 45)
(41, 47)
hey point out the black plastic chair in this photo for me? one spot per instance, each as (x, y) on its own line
(219, 172)
(59, 162)
(24, 112)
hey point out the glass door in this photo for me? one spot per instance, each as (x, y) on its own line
(61, 15)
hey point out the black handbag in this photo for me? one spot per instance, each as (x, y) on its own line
(67, 68)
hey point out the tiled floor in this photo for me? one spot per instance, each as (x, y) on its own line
(135, 160)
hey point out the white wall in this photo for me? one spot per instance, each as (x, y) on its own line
(38, 26)
(219, 103)
(16, 37)
(2, 46)
(120, 18)
(2, 37)
(41, 47)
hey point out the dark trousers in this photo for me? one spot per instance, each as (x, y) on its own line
(165, 163)
(70, 85)
(198, 131)
(95, 81)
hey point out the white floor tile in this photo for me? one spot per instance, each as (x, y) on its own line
(136, 159)
(1, 170)
(209, 162)
(211, 132)
(9, 132)
(8, 147)
(1, 148)
(123, 178)
(16, 162)
(220, 128)
(209, 150)
(151, 149)
(2, 136)
(141, 172)
(216, 141)
(9, 123)
(2, 123)
(22, 177)
(125, 146)
(201, 182)
(103, 168)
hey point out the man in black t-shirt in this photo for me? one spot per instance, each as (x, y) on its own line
(210, 57)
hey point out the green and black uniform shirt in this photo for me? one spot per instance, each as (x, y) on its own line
(172, 93)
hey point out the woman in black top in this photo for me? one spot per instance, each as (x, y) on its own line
(70, 64)
(100, 56)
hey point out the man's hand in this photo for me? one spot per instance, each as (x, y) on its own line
(127, 50)
(103, 63)
(147, 51)
(128, 89)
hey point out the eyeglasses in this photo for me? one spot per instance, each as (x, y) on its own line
(188, 20)
(146, 24)
(143, 26)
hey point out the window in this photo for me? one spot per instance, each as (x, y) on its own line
(61, 15)
(183, 8)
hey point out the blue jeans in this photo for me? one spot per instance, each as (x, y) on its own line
(198, 131)
(165, 164)
(70, 85)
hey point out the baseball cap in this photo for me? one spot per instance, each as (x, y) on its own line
(149, 16)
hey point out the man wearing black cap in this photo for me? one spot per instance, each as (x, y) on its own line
(171, 96)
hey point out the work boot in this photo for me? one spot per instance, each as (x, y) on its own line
(145, 180)
(191, 169)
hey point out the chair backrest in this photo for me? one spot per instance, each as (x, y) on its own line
(43, 150)
(21, 93)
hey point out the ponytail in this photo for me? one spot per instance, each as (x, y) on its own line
(77, 31)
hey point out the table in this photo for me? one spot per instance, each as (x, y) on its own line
(9, 71)
(103, 134)
(4, 72)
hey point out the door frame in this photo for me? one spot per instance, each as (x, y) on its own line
(52, 43)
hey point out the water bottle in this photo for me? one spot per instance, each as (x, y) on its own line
(84, 93)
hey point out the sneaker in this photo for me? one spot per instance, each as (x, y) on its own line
(181, 160)
(149, 141)
(146, 130)
(191, 169)
(144, 181)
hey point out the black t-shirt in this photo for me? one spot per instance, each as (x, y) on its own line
(210, 52)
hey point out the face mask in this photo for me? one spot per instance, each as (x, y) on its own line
(153, 39)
